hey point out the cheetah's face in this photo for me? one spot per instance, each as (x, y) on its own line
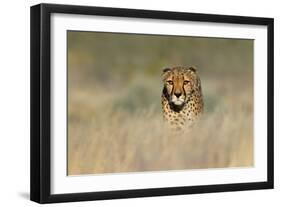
(179, 84)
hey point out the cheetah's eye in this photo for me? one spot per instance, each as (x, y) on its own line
(186, 82)
(170, 82)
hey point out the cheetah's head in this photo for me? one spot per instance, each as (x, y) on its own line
(179, 84)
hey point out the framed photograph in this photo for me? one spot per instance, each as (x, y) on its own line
(133, 103)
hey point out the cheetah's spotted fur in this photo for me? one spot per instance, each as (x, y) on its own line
(182, 99)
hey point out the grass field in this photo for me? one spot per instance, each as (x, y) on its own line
(114, 107)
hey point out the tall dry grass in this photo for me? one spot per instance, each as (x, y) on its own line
(109, 133)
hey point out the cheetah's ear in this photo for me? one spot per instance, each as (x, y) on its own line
(165, 73)
(166, 70)
(193, 69)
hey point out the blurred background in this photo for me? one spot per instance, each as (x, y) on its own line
(114, 103)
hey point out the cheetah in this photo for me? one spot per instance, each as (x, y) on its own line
(182, 99)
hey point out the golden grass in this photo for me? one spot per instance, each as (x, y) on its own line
(112, 130)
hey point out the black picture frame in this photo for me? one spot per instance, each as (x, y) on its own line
(40, 184)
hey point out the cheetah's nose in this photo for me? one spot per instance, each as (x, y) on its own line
(178, 94)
